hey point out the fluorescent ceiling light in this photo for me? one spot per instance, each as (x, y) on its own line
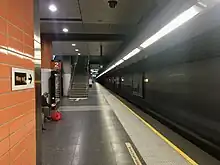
(76, 50)
(202, 4)
(65, 30)
(132, 53)
(73, 44)
(146, 80)
(79, 54)
(175, 23)
(119, 62)
(94, 70)
(53, 8)
(110, 68)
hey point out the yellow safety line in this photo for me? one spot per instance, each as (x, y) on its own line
(191, 161)
(133, 154)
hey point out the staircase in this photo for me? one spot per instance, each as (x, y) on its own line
(79, 84)
(79, 87)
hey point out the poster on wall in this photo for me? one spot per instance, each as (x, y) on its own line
(117, 82)
(137, 85)
(22, 79)
(127, 80)
(56, 65)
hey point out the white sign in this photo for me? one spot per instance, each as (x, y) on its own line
(22, 79)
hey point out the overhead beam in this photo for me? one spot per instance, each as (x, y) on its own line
(97, 59)
(61, 19)
(83, 37)
(94, 58)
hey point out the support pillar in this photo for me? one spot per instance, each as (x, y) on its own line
(46, 64)
(37, 55)
(17, 107)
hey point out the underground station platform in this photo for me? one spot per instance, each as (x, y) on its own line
(106, 130)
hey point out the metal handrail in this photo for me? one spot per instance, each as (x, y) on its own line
(72, 75)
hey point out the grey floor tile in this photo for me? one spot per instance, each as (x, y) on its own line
(119, 148)
(63, 158)
(121, 163)
(86, 137)
(123, 158)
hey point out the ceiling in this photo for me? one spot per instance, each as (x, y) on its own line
(85, 48)
(92, 23)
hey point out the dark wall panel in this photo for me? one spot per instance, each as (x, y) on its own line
(188, 95)
(183, 85)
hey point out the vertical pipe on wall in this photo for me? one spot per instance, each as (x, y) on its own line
(37, 56)
(101, 50)
(101, 54)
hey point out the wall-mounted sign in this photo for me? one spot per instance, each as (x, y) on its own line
(55, 65)
(22, 79)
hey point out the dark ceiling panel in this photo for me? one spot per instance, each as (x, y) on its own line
(98, 60)
(83, 37)
(86, 48)
(93, 21)
(62, 19)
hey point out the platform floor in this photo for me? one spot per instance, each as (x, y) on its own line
(101, 130)
(89, 134)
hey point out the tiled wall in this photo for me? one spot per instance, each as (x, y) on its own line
(45, 75)
(17, 108)
(46, 53)
(46, 64)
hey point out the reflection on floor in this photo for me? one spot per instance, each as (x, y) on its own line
(89, 134)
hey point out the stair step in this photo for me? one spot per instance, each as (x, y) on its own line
(74, 87)
(79, 85)
(74, 93)
(85, 91)
(78, 96)
(79, 91)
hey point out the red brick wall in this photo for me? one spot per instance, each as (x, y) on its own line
(46, 46)
(17, 108)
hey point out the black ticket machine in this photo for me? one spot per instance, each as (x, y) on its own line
(55, 83)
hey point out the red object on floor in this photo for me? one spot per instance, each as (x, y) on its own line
(56, 116)
(60, 115)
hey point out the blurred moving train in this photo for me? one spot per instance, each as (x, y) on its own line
(179, 85)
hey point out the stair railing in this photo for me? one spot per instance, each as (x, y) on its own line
(73, 68)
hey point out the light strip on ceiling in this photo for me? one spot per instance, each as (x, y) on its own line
(175, 23)
(119, 62)
(171, 26)
(112, 67)
(132, 53)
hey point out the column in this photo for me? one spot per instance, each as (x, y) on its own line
(46, 64)
(37, 55)
(17, 107)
